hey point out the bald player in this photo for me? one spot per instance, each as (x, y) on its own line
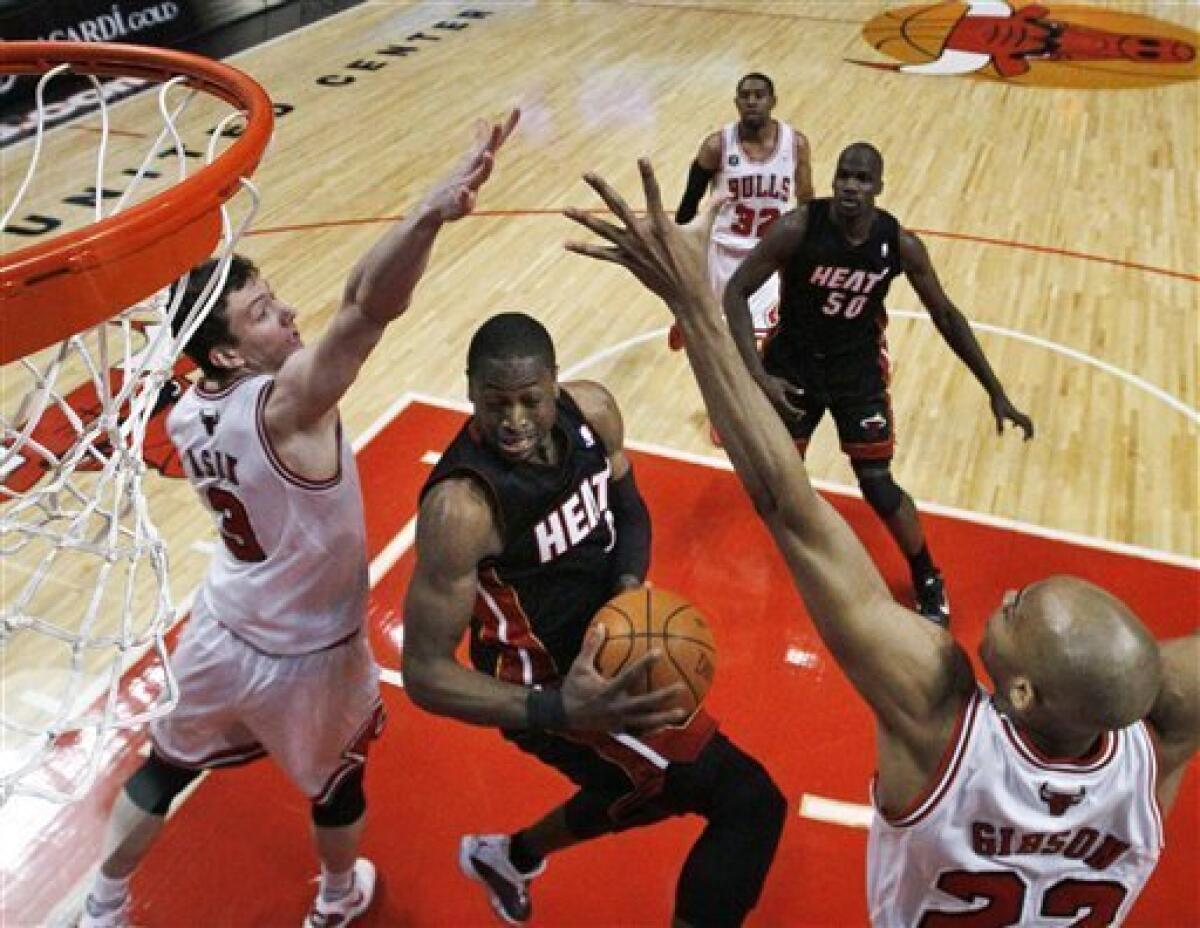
(1036, 803)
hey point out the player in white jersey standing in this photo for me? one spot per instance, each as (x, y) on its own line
(274, 659)
(1038, 804)
(761, 164)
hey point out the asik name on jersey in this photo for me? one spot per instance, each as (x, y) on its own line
(760, 187)
(211, 463)
(1085, 844)
(576, 518)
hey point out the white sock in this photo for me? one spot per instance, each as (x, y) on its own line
(336, 885)
(107, 893)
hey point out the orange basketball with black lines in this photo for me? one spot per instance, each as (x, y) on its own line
(650, 618)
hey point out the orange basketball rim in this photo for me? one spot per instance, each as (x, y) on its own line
(58, 288)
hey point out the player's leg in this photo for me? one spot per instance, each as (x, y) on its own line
(865, 427)
(506, 864)
(347, 881)
(134, 825)
(200, 732)
(317, 715)
(725, 870)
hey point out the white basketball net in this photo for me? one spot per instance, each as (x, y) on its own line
(83, 571)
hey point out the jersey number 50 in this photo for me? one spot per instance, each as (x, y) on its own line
(1003, 893)
(751, 222)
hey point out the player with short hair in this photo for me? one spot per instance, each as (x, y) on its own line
(761, 165)
(529, 523)
(837, 257)
(1040, 800)
(274, 659)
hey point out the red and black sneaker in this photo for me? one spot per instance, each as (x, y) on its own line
(484, 858)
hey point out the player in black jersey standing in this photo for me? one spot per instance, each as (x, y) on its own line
(531, 521)
(836, 258)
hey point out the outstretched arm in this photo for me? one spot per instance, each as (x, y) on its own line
(909, 671)
(379, 289)
(1176, 713)
(955, 329)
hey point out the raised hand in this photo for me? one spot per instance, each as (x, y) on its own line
(454, 196)
(670, 260)
(1005, 411)
(595, 703)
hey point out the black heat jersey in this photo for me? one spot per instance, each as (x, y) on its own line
(535, 600)
(832, 293)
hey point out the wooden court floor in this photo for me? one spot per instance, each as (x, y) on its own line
(1062, 220)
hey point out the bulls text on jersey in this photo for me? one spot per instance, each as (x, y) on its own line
(760, 186)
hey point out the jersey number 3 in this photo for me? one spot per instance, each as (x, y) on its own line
(235, 526)
(749, 222)
(1003, 895)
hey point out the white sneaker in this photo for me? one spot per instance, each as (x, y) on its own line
(93, 916)
(484, 858)
(343, 910)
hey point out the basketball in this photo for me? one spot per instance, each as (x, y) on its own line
(649, 618)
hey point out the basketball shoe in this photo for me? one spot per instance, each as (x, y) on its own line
(326, 913)
(484, 858)
(96, 916)
(932, 601)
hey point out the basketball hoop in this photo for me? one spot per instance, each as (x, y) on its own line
(88, 348)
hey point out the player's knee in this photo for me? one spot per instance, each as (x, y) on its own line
(588, 815)
(756, 802)
(879, 489)
(344, 806)
(156, 784)
(724, 875)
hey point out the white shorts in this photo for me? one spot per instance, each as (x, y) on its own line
(314, 714)
(764, 303)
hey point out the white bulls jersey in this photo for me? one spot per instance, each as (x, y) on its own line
(760, 191)
(291, 575)
(1025, 839)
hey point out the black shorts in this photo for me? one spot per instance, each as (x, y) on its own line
(623, 783)
(852, 386)
(723, 875)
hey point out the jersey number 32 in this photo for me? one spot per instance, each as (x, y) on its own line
(749, 222)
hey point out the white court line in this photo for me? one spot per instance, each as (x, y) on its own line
(386, 559)
(1075, 355)
(835, 811)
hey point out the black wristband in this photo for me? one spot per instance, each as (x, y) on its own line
(545, 710)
